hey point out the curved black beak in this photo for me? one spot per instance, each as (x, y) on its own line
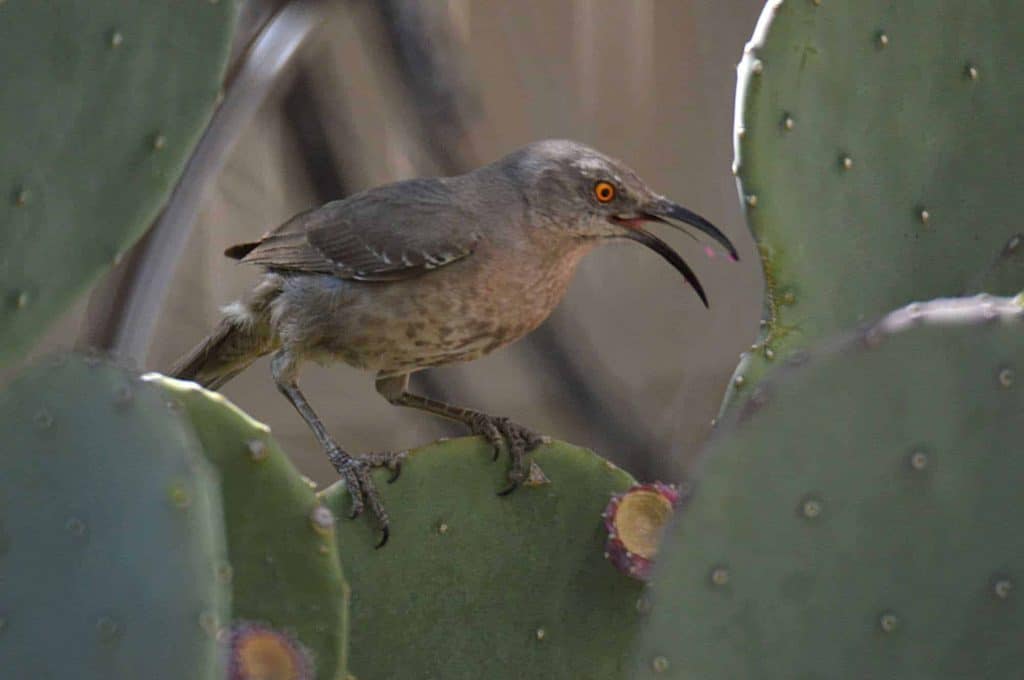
(672, 214)
(657, 245)
(667, 212)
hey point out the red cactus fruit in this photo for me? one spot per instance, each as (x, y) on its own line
(635, 521)
(259, 652)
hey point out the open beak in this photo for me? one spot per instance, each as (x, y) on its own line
(672, 214)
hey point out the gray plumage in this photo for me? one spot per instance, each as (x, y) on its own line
(428, 272)
(373, 235)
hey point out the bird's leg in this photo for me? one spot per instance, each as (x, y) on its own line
(355, 470)
(496, 430)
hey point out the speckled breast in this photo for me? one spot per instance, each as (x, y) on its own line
(454, 314)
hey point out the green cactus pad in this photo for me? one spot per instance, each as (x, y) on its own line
(473, 585)
(861, 516)
(284, 568)
(878, 151)
(110, 532)
(100, 107)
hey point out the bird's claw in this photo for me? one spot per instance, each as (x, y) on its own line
(355, 471)
(519, 439)
(385, 533)
(392, 460)
(515, 479)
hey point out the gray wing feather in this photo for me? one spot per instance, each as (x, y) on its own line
(392, 232)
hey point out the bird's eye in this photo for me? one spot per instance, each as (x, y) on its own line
(604, 191)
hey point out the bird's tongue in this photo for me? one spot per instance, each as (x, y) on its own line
(632, 222)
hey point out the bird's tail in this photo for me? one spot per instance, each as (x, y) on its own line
(240, 338)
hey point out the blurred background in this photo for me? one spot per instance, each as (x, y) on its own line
(631, 364)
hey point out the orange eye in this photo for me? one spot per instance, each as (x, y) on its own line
(604, 191)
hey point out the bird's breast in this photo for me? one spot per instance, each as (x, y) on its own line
(457, 313)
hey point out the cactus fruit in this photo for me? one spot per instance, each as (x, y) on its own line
(877, 152)
(110, 531)
(635, 521)
(858, 516)
(100, 107)
(472, 585)
(290, 601)
(261, 653)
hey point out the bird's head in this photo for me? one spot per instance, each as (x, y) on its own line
(578, 191)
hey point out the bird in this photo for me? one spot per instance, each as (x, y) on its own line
(429, 272)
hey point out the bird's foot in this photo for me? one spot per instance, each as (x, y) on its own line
(520, 441)
(392, 460)
(355, 471)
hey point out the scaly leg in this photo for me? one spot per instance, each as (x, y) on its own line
(355, 470)
(496, 430)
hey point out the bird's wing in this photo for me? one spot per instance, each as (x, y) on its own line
(385, 234)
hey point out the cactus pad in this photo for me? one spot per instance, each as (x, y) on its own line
(100, 107)
(284, 572)
(472, 585)
(861, 515)
(878, 154)
(110, 532)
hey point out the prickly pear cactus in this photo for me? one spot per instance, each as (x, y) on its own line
(472, 585)
(111, 539)
(100, 107)
(861, 516)
(290, 601)
(878, 153)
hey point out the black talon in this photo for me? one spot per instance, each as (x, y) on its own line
(519, 440)
(512, 486)
(356, 511)
(396, 468)
(385, 534)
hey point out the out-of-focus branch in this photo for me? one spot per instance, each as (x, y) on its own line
(421, 45)
(123, 310)
(305, 118)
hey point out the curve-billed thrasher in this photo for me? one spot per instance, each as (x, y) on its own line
(428, 272)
